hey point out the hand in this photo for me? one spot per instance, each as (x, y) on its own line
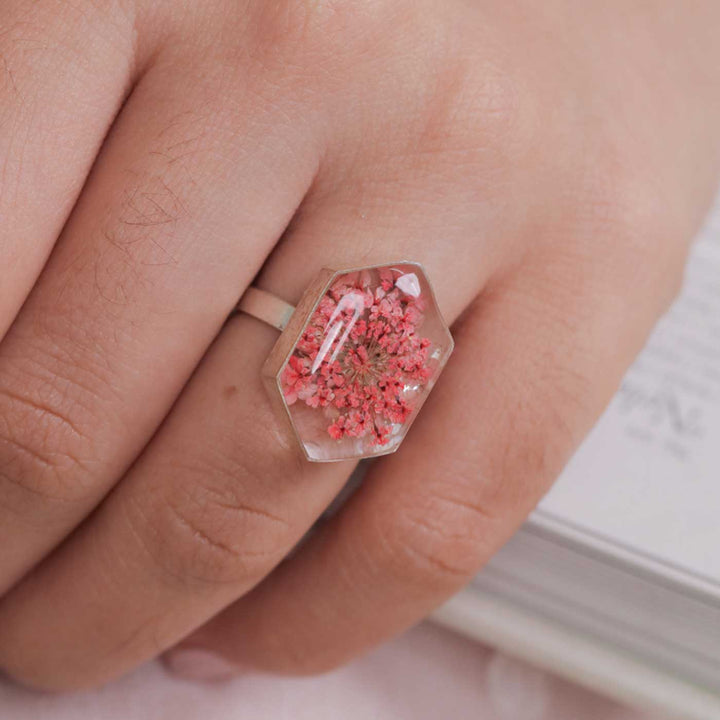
(547, 163)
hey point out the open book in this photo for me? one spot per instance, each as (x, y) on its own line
(614, 581)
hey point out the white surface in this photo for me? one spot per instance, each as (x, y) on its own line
(586, 661)
(648, 476)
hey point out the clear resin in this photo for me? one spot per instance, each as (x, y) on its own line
(370, 350)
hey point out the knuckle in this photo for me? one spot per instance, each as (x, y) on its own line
(538, 437)
(204, 529)
(478, 107)
(470, 109)
(466, 121)
(141, 260)
(139, 246)
(437, 540)
(646, 229)
(325, 23)
(633, 207)
(43, 449)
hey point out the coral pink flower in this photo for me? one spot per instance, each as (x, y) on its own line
(361, 359)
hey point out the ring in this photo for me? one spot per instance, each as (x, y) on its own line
(356, 359)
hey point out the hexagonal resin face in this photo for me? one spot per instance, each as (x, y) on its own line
(357, 360)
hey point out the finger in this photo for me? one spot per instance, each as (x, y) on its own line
(421, 209)
(535, 363)
(192, 189)
(58, 95)
(213, 505)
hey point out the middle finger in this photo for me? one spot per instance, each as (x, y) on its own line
(142, 279)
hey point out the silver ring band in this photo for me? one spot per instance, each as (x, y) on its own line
(267, 307)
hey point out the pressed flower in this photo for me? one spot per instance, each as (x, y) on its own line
(363, 361)
(362, 358)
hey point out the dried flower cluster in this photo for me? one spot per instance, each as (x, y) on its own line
(361, 360)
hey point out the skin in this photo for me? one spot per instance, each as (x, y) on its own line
(547, 163)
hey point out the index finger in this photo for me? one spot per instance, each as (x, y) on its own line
(58, 96)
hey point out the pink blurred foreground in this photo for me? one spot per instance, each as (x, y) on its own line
(428, 674)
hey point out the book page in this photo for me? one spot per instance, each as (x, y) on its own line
(647, 479)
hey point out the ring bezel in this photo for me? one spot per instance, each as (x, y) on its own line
(286, 344)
